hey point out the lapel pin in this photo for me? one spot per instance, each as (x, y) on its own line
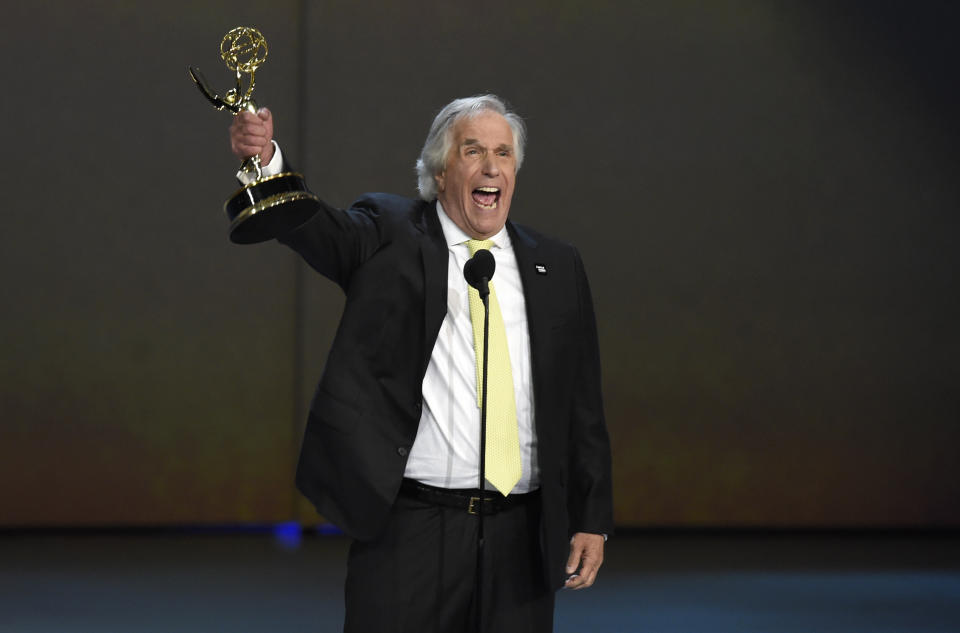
(541, 269)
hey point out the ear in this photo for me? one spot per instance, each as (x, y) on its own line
(441, 179)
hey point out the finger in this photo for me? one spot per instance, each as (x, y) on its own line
(247, 142)
(251, 138)
(588, 572)
(587, 551)
(573, 582)
(253, 130)
(576, 553)
(244, 147)
(247, 121)
(246, 117)
(579, 581)
(267, 118)
(583, 579)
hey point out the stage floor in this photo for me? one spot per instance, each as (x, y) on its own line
(651, 582)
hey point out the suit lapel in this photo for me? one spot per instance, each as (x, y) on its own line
(434, 256)
(525, 249)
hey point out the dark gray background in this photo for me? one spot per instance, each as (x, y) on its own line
(763, 192)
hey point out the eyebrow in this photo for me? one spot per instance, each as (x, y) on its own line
(472, 141)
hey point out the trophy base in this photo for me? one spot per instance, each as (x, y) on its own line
(267, 208)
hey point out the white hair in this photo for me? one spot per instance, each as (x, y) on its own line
(433, 157)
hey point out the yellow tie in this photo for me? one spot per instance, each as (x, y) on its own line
(503, 442)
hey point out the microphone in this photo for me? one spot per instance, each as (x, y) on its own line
(478, 270)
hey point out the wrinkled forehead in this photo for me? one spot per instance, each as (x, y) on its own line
(487, 128)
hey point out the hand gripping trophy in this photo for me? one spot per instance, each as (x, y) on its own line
(254, 209)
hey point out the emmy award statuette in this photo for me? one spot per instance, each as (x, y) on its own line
(259, 209)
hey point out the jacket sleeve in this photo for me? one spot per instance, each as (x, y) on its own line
(590, 499)
(335, 242)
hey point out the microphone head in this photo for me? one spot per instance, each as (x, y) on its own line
(479, 269)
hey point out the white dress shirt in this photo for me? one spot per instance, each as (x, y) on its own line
(446, 452)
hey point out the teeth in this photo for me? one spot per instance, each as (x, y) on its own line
(488, 189)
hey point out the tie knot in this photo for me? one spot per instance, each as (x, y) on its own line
(476, 245)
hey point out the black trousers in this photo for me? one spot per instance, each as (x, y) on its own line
(419, 576)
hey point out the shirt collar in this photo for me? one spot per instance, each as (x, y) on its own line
(454, 235)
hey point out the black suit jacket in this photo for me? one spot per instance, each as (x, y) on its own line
(389, 255)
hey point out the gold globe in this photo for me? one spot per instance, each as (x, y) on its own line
(243, 49)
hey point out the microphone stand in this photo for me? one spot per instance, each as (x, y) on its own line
(484, 292)
(478, 272)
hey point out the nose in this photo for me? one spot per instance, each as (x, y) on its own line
(490, 166)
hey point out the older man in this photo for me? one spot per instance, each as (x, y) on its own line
(392, 445)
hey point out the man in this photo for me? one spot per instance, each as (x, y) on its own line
(392, 446)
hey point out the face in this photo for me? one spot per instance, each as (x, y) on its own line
(476, 185)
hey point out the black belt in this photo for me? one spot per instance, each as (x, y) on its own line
(465, 499)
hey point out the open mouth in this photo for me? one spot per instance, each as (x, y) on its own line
(486, 197)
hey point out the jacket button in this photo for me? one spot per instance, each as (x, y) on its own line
(402, 451)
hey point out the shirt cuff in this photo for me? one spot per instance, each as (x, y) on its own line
(274, 167)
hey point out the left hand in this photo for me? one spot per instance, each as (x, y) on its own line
(586, 553)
